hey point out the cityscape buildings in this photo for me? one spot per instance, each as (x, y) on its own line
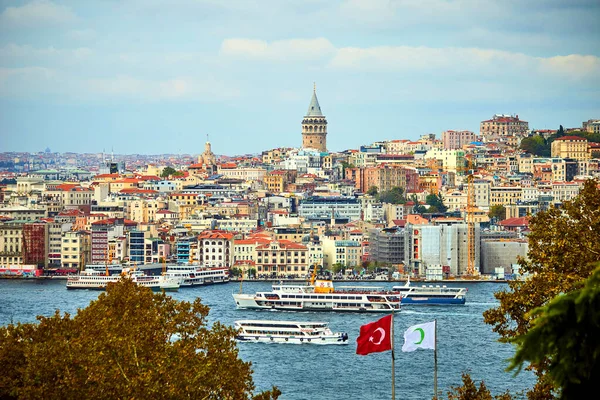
(281, 212)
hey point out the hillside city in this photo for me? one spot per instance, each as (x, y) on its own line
(435, 208)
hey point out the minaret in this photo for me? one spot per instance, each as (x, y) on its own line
(314, 126)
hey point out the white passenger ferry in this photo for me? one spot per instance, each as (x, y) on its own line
(294, 332)
(431, 295)
(97, 280)
(320, 295)
(197, 275)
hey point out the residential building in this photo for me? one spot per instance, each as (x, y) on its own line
(457, 139)
(502, 125)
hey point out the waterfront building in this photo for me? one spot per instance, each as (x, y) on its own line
(501, 253)
(282, 258)
(390, 245)
(215, 248)
(11, 242)
(347, 253)
(76, 249)
(314, 126)
(105, 231)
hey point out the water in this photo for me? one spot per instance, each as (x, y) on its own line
(465, 343)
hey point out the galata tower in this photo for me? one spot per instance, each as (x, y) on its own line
(314, 126)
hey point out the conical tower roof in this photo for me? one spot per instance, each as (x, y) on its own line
(314, 109)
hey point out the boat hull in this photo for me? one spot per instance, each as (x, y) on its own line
(428, 301)
(246, 301)
(339, 339)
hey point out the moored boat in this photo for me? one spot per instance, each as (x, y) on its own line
(431, 294)
(96, 280)
(197, 275)
(293, 332)
(320, 295)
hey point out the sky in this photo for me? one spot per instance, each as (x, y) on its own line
(158, 76)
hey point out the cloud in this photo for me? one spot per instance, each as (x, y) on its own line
(466, 62)
(18, 55)
(36, 13)
(281, 50)
(146, 90)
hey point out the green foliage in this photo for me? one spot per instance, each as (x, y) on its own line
(436, 203)
(337, 267)
(129, 343)
(563, 245)
(372, 191)
(498, 211)
(393, 196)
(170, 171)
(566, 332)
(536, 145)
(469, 391)
(418, 208)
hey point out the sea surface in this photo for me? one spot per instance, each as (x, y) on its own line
(465, 342)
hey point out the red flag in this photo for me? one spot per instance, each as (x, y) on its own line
(375, 336)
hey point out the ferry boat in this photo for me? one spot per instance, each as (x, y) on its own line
(96, 280)
(197, 275)
(320, 295)
(431, 295)
(293, 332)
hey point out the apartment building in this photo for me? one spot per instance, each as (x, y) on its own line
(574, 147)
(457, 139)
(502, 125)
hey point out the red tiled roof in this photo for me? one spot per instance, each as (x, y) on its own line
(520, 221)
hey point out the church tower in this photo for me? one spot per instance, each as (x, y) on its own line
(314, 126)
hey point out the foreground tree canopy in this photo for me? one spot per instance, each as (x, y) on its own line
(566, 334)
(564, 244)
(129, 343)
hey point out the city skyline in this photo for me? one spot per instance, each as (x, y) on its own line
(149, 77)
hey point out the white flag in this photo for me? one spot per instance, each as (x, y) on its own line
(420, 336)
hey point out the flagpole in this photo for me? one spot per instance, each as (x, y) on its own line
(393, 368)
(435, 392)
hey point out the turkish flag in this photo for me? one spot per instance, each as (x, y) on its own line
(375, 336)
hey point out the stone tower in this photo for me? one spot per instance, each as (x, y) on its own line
(314, 126)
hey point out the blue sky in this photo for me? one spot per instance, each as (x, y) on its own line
(153, 77)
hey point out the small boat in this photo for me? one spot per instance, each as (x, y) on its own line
(97, 280)
(320, 295)
(294, 332)
(197, 275)
(431, 295)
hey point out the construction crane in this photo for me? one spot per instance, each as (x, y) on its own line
(470, 219)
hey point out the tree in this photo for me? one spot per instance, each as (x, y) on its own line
(436, 203)
(417, 208)
(498, 211)
(535, 145)
(170, 171)
(129, 343)
(469, 391)
(372, 191)
(566, 333)
(563, 244)
(393, 196)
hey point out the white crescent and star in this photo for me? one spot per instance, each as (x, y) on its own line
(380, 339)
